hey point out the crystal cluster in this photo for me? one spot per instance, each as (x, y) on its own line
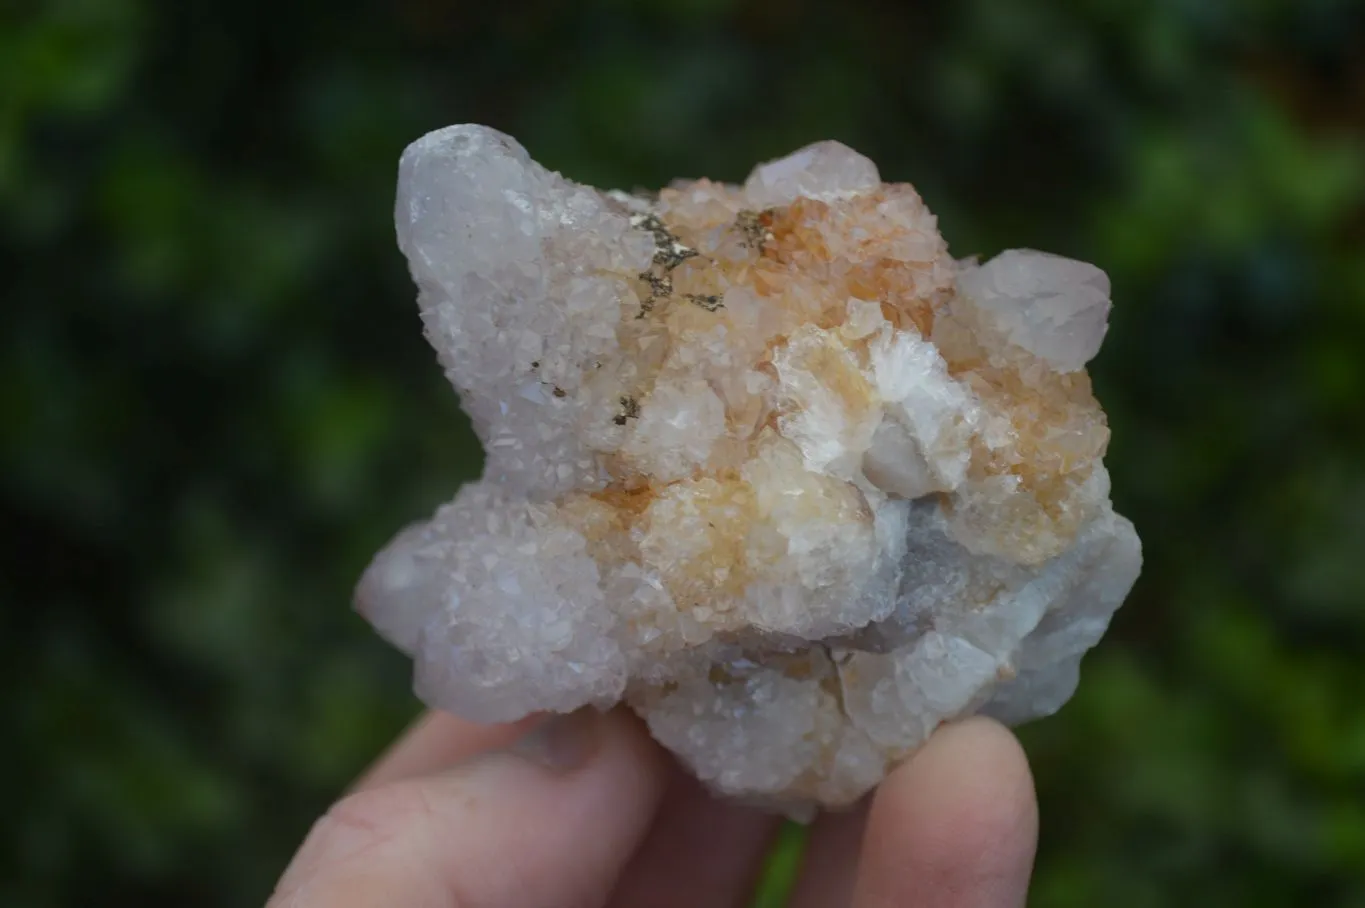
(764, 462)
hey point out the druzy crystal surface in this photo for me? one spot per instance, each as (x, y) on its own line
(764, 462)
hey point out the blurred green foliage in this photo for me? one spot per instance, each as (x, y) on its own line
(215, 400)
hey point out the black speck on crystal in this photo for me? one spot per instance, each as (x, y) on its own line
(710, 301)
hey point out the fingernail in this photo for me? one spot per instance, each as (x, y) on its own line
(562, 743)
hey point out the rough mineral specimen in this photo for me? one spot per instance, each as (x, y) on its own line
(763, 462)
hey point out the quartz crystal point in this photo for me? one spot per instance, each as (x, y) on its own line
(764, 462)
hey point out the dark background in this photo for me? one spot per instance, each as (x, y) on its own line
(215, 400)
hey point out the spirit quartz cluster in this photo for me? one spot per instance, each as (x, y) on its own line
(764, 462)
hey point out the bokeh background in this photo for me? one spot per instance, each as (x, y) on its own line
(216, 403)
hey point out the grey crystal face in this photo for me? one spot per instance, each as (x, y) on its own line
(764, 462)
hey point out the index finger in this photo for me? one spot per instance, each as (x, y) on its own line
(549, 822)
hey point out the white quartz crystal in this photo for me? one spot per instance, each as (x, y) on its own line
(825, 170)
(764, 463)
(1056, 308)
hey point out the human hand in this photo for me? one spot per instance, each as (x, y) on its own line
(587, 811)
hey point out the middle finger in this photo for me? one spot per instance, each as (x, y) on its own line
(701, 851)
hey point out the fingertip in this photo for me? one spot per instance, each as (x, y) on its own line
(518, 826)
(434, 741)
(957, 824)
(975, 769)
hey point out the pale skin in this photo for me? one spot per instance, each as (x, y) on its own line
(587, 811)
